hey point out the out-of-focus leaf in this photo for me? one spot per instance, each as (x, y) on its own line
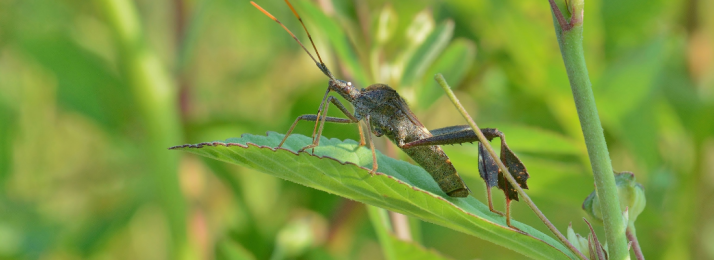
(427, 53)
(623, 22)
(98, 232)
(339, 41)
(535, 140)
(191, 35)
(453, 63)
(629, 81)
(409, 250)
(386, 25)
(393, 247)
(6, 136)
(341, 168)
(625, 94)
(229, 250)
(85, 82)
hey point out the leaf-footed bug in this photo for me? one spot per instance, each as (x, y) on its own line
(386, 113)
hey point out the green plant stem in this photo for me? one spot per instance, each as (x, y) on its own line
(155, 98)
(380, 220)
(400, 223)
(570, 40)
(442, 82)
(632, 236)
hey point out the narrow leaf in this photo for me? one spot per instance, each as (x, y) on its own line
(340, 168)
(343, 47)
(427, 53)
(454, 62)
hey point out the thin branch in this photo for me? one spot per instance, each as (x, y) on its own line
(559, 15)
(632, 236)
(440, 79)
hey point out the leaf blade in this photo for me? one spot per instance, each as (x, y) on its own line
(337, 168)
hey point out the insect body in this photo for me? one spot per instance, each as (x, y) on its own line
(386, 113)
(390, 116)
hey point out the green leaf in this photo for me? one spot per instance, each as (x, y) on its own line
(427, 53)
(341, 168)
(81, 74)
(454, 62)
(393, 247)
(339, 41)
(523, 138)
(230, 250)
(630, 81)
(407, 250)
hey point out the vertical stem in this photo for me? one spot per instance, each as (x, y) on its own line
(400, 223)
(380, 220)
(570, 40)
(155, 97)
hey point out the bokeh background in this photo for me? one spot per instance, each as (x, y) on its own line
(93, 92)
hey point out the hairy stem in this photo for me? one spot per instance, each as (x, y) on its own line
(442, 82)
(570, 40)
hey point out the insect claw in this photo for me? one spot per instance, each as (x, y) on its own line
(373, 171)
(517, 229)
(498, 212)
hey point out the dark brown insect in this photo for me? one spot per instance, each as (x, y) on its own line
(386, 113)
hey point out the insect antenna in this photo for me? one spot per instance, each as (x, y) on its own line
(321, 65)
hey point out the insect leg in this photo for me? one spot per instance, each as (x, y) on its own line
(314, 118)
(490, 201)
(508, 217)
(333, 100)
(319, 112)
(488, 170)
(374, 153)
(508, 213)
(454, 135)
(361, 135)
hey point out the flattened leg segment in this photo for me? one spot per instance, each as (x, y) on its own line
(454, 135)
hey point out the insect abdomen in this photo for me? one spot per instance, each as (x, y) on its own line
(435, 162)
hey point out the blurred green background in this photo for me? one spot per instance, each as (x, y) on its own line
(93, 92)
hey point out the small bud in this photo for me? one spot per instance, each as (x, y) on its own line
(575, 8)
(578, 241)
(632, 198)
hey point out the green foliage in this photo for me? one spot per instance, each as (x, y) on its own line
(395, 248)
(77, 178)
(342, 168)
